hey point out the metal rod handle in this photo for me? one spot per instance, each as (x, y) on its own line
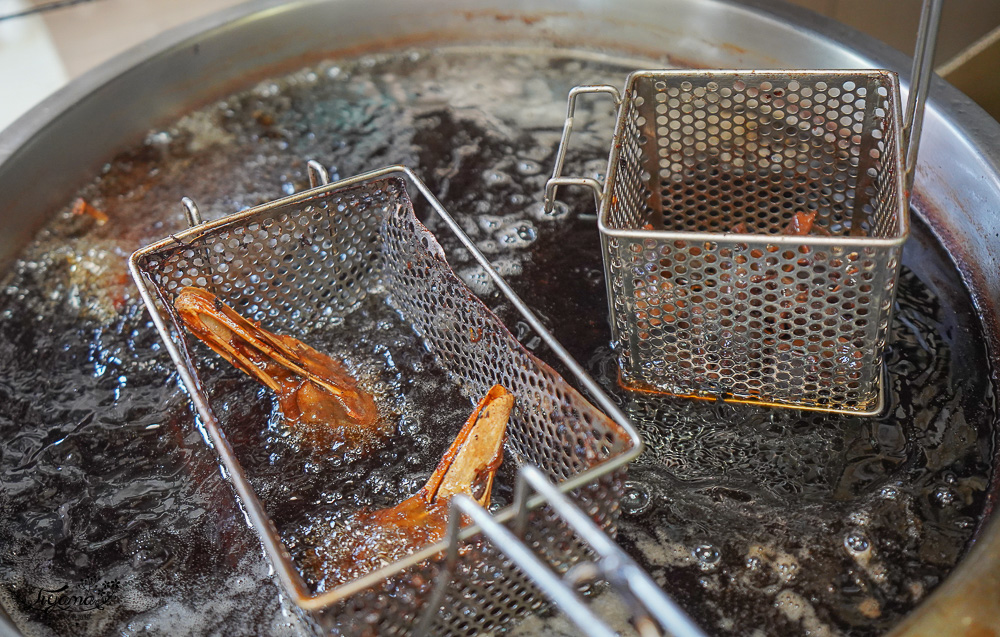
(653, 613)
(920, 84)
(561, 594)
(648, 602)
(557, 179)
(554, 182)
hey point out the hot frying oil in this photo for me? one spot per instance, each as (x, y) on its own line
(775, 520)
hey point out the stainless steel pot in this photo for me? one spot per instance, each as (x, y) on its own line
(49, 153)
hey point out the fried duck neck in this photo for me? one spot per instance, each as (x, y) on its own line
(370, 539)
(316, 394)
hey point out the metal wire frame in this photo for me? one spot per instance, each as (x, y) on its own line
(606, 197)
(653, 612)
(901, 168)
(289, 577)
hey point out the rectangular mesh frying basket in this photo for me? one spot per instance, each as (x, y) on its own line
(297, 264)
(751, 225)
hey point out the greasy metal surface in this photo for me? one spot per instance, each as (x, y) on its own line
(957, 183)
(301, 264)
(709, 293)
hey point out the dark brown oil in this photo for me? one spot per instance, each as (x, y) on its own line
(754, 519)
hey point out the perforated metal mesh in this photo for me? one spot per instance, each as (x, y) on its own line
(710, 175)
(297, 264)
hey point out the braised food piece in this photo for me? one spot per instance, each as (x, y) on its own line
(316, 394)
(370, 539)
(801, 224)
(804, 223)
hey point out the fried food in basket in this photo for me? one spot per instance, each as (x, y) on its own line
(370, 539)
(316, 394)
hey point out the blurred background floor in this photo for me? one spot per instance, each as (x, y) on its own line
(41, 51)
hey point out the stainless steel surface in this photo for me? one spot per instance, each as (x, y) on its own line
(653, 613)
(298, 262)
(710, 295)
(957, 184)
(972, 71)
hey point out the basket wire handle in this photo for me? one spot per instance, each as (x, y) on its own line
(653, 613)
(920, 80)
(557, 179)
(920, 84)
(318, 175)
(191, 212)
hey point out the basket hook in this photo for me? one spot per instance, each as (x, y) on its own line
(318, 175)
(191, 212)
(557, 179)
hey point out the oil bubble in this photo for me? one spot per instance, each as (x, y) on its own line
(412, 482)
(944, 496)
(508, 267)
(408, 426)
(419, 442)
(161, 138)
(856, 542)
(477, 280)
(528, 167)
(490, 223)
(595, 169)
(636, 499)
(518, 235)
(708, 556)
(859, 518)
(488, 246)
(559, 210)
(495, 177)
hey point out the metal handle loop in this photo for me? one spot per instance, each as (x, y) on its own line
(653, 611)
(557, 179)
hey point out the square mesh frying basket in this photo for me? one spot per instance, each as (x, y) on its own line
(709, 174)
(297, 264)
